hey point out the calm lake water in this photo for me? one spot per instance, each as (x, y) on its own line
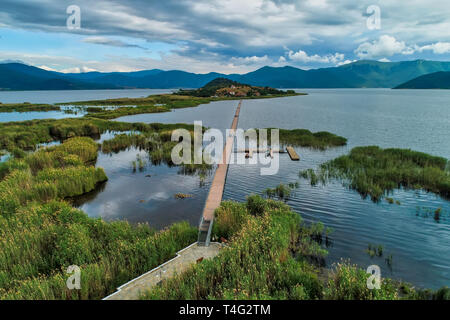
(60, 96)
(414, 119)
(419, 120)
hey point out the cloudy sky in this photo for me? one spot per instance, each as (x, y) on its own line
(230, 36)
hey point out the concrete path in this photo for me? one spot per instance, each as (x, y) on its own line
(185, 258)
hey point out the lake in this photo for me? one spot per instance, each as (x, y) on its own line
(419, 120)
(414, 119)
(61, 96)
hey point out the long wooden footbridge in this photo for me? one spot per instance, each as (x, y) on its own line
(218, 184)
(203, 248)
(196, 251)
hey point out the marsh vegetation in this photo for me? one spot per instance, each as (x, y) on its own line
(27, 107)
(376, 172)
(271, 254)
(41, 235)
(304, 138)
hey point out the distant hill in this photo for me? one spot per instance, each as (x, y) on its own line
(360, 74)
(223, 87)
(17, 76)
(436, 80)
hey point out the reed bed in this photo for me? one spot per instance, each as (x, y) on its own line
(40, 235)
(376, 172)
(40, 241)
(304, 138)
(27, 134)
(50, 173)
(272, 254)
(257, 264)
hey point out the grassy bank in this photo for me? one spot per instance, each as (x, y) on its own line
(375, 172)
(40, 235)
(271, 254)
(27, 107)
(155, 104)
(132, 106)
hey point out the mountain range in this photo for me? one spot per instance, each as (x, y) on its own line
(360, 74)
(436, 80)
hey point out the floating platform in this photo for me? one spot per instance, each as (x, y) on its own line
(260, 150)
(294, 156)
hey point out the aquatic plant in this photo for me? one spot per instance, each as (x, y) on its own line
(437, 214)
(375, 172)
(50, 173)
(182, 195)
(28, 134)
(374, 250)
(281, 191)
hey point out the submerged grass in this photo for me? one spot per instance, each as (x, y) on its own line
(158, 145)
(281, 191)
(376, 172)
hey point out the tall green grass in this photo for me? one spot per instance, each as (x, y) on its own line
(272, 254)
(27, 134)
(375, 172)
(40, 236)
(304, 138)
(51, 173)
(40, 241)
(257, 264)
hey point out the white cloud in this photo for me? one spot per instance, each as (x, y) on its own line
(436, 48)
(46, 68)
(302, 56)
(385, 46)
(345, 62)
(384, 60)
(250, 60)
(81, 69)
